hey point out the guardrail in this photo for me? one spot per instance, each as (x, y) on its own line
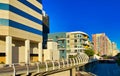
(40, 67)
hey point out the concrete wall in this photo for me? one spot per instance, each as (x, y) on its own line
(56, 55)
(25, 35)
(22, 54)
(2, 44)
(52, 45)
(18, 51)
(2, 49)
(70, 72)
(47, 55)
(52, 52)
(64, 73)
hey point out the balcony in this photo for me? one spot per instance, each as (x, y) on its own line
(84, 38)
(62, 48)
(50, 39)
(61, 38)
(85, 44)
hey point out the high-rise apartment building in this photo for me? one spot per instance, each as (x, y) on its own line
(102, 44)
(114, 46)
(114, 49)
(70, 43)
(76, 42)
(21, 31)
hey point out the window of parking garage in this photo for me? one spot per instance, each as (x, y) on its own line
(2, 54)
(33, 54)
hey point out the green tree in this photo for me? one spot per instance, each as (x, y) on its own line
(118, 58)
(89, 52)
(118, 55)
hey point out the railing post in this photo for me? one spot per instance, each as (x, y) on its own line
(63, 63)
(38, 67)
(76, 61)
(46, 66)
(14, 70)
(27, 65)
(67, 63)
(83, 58)
(53, 65)
(71, 61)
(79, 59)
(59, 64)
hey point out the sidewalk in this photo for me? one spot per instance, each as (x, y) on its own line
(82, 73)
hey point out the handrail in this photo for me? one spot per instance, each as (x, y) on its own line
(73, 61)
(14, 70)
(48, 65)
(53, 65)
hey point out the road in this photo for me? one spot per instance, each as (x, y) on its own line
(106, 69)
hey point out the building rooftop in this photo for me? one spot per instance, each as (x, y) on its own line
(71, 32)
(79, 32)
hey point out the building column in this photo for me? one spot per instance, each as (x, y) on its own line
(40, 52)
(27, 51)
(8, 50)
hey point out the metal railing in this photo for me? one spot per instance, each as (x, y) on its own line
(39, 67)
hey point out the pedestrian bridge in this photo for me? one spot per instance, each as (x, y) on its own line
(45, 68)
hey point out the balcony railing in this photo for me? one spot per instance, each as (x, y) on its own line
(61, 38)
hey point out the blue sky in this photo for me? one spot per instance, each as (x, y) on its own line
(90, 16)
